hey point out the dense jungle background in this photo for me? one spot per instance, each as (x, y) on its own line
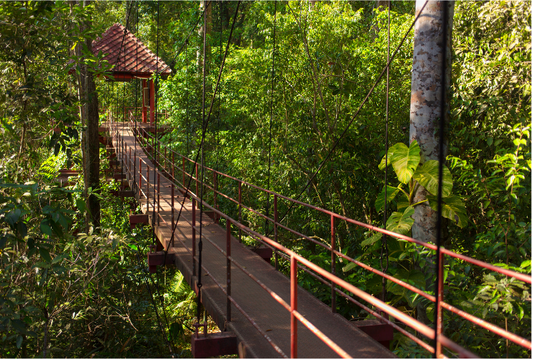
(295, 74)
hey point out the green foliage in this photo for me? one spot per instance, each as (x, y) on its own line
(84, 292)
(406, 164)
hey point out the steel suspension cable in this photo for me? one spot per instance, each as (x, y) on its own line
(156, 158)
(201, 151)
(205, 125)
(217, 136)
(136, 95)
(273, 76)
(124, 33)
(384, 248)
(149, 289)
(190, 32)
(154, 138)
(337, 141)
(442, 123)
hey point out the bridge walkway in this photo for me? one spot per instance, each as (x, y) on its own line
(261, 324)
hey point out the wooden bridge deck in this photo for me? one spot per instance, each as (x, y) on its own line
(262, 308)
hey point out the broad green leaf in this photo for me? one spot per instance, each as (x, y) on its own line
(80, 203)
(45, 254)
(13, 216)
(372, 239)
(428, 176)
(402, 203)
(453, 208)
(45, 228)
(59, 258)
(400, 222)
(405, 160)
(391, 193)
(390, 154)
(526, 264)
(349, 267)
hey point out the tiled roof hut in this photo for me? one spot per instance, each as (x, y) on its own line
(132, 59)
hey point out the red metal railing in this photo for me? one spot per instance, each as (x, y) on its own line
(165, 159)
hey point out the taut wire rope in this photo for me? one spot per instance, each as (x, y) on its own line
(135, 116)
(201, 151)
(442, 123)
(138, 258)
(205, 125)
(190, 32)
(336, 143)
(156, 148)
(155, 154)
(124, 33)
(273, 76)
(384, 248)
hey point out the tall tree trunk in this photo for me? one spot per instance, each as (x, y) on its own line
(207, 26)
(90, 143)
(426, 87)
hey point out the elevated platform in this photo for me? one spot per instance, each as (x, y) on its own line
(261, 309)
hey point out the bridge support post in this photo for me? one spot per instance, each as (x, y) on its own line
(215, 190)
(173, 166)
(213, 345)
(294, 307)
(193, 220)
(147, 188)
(382, 333)
(158, 197)
(196, 175)
(159, 258)
(140, 177)
(183, 172)
(333, 265)
(240, 210)
(228, 270)
(276, 255)
(172, 204)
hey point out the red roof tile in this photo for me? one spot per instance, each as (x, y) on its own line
(128, 54)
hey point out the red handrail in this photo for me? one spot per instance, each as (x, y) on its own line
(330, 276)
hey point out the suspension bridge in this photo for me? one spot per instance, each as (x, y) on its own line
(261, 311)
(252, 302)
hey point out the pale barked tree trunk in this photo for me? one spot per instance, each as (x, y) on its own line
(426, 87)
